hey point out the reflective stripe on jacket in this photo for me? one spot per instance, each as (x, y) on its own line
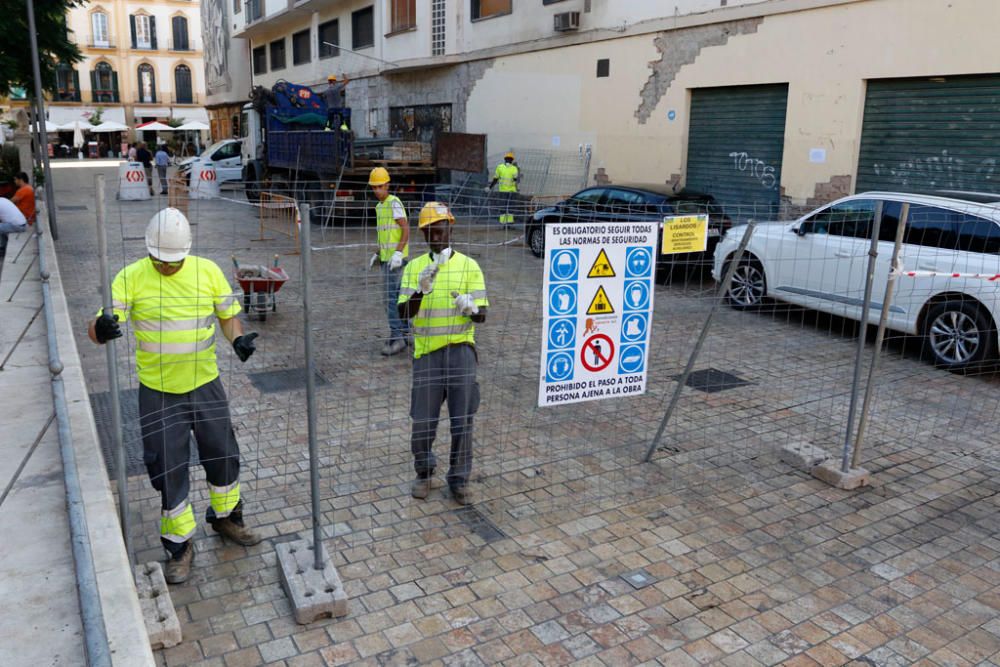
(173, 319)
(437, 323)
(389, 231)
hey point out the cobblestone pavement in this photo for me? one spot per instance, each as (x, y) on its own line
(748, 561)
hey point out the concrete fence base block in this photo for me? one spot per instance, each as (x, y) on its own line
(313, 593)
(157, 608)
(830, 473)
(802, 455)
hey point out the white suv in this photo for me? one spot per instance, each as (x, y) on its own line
(820, 261)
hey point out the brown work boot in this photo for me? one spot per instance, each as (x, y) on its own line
(421, 487)
(233, 527)
(461, 495)
(178, 568)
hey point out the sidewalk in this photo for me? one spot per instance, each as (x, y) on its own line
(41, 622)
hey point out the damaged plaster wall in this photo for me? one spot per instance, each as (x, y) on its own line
(682, 47)
(445, 85)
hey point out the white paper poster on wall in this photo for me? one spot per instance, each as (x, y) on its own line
(598, 310)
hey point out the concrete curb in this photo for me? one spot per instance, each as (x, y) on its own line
(123, 618)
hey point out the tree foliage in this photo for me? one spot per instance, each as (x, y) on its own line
(54, 45)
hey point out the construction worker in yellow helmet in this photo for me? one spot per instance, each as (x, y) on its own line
(393, 234)
(444, 295)
(335, 97)
(508, 175)
(174, 299)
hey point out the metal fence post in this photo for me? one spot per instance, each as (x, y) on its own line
(723, 288)
(304, 236)
(890, 287)
(110, 349)
(862, 337)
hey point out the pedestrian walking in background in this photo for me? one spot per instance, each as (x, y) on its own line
(444, 294)
(162, 159)
(174, 301)
(143, 155)
(131, 152)
(508, 175)
(393, 233)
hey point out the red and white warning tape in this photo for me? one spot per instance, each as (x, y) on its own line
(991, 277)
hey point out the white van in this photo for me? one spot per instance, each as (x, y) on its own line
(225, 155)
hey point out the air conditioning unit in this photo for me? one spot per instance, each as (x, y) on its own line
(567, 21)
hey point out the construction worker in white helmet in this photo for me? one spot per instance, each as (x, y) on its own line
(393, 233)
(173, 300)
(444, 294)
(508, 175)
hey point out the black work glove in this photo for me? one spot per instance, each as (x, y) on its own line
(107, 328)
(243, 346)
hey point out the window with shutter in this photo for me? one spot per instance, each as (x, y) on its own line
(484, 9)
(183, 93)
(363, 28)
(403, 14)
(147, 84)
(328, 33)
(179, 27)
(99, 30)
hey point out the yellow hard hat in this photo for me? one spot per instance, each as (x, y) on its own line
(433, 212)
(508, 154)
(379, 176)
(331, 78)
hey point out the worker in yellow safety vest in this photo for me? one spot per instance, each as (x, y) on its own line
(444, 294)
(173, 300)
(508, 175)
(393, 232)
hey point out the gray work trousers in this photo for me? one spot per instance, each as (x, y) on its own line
(167, 421)
(445, 374)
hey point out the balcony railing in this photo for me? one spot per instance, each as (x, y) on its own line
(142, 99)
(184, 99)
(143, 47)
(101, 95)
(184, 45)
(66, 96)
(96, 43)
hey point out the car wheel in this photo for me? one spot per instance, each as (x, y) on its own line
(959, 335)
(536, 241)
(749, 285)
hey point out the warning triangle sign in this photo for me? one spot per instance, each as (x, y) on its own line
(600, 304)
(602, 267)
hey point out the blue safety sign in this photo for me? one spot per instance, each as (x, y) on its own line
(634, 327)
(638, 262)
(562, 333)
(564, 264)
(559, 367)
(632, 359)
(636, 295)
(562, 300)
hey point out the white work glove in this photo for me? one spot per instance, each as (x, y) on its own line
(373, 261)
(465, 304)
(426, 278)
(396, 261)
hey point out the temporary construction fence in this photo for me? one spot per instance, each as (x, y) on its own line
(732, 380)
(279, 214)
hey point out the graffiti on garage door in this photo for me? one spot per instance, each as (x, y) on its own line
(939, 171)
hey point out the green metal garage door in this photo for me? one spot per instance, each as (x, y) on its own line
(735, 143)
(931, 135)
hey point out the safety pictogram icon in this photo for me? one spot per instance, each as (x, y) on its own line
(208, 174)
(601, 268)
(600, 304)
(597, 353)
(134, 176)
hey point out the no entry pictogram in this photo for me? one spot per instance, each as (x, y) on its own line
(597, 353)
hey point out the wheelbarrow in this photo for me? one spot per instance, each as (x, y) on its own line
(260, 285)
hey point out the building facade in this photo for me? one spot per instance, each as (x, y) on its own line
(142, 62)
(760, 102)
(227, 69)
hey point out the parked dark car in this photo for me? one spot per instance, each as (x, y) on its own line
(633, 203)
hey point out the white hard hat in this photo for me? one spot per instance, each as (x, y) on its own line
(168, 235)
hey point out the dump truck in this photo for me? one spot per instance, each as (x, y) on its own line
(294, 145)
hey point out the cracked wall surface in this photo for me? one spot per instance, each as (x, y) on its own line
(835, 188)
(679, 48)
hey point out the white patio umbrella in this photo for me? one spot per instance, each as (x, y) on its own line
(109, 126)
(77, 127)
(49, 126)
(155, 126)
(194, 125)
